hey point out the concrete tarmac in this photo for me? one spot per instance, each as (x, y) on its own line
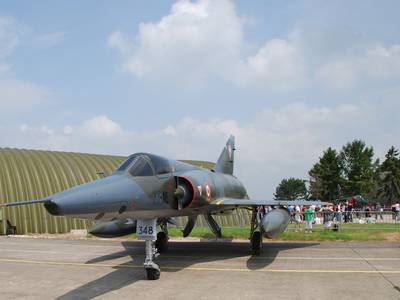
(32, 268)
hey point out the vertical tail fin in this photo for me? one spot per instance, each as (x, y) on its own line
(226, 159)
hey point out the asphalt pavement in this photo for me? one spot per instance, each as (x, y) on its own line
(34, 268)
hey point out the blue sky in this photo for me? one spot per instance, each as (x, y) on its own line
(288, 78)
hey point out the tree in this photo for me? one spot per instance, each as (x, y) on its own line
(291, 189)
(326, 176)
(358, 168)
(388, 179)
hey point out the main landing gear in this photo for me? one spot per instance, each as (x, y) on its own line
(154, 247)
(255, 233)
(162, 238)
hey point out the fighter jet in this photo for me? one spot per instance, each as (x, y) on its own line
(148, 190)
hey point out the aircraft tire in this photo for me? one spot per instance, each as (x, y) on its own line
(256, 243)
(162, 242)
(152, 274)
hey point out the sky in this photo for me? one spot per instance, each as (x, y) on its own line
(288, 78)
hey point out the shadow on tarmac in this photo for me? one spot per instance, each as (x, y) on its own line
(179, 256)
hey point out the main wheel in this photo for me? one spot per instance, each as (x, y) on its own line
(256, 243)
(162, 242)
(152, 274)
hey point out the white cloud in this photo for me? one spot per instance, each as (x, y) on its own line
(372, 66)
(51, 39)
(204, 40)
(194, 41)
(68, 130)
(15, 95)
(9, 31)
(4, 68)
(274, 144)
(278, 64)
(100, 127)
(118, 41)
(20, 95)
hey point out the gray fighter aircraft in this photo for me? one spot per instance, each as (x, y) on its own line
(147, 190)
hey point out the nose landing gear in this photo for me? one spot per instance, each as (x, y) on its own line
(151, 268)
(147, 230)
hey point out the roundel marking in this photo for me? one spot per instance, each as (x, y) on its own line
(208, 191)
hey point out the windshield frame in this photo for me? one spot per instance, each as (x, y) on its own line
(160, 166)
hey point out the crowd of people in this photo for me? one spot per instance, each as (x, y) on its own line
(341, 213)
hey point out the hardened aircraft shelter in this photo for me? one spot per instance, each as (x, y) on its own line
(34, 174)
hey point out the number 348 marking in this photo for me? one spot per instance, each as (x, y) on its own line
(145, 230)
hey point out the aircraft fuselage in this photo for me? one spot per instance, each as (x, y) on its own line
(147, 187)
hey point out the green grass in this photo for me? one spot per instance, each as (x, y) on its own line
(204, 232)
(347, 232)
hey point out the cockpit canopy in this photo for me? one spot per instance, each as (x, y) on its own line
(144, 164)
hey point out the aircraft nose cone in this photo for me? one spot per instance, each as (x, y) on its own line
(111, 194)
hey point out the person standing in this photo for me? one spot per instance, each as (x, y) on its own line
(393, 212)
(343, 210)
(297, 218)
(290, 210)
(308, 217)
(346, 213)
(379, 212)
(327, 213)
(338, 214)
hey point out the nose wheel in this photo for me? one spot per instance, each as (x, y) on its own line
(152, 271)
(151, 268)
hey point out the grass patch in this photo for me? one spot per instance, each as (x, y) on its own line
(347, 232)
(343, 235)
(204, 232)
